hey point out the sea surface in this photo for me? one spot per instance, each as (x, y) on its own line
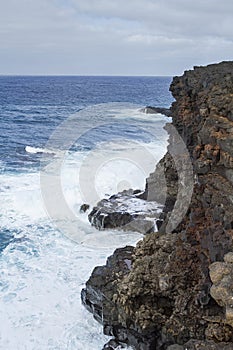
(65, 141)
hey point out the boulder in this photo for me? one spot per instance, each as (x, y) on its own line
(84, 208)
(126, 211)
(155, 110)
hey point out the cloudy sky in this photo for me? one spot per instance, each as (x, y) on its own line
(113, 37)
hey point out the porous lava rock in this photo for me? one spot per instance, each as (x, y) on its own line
(175, 290)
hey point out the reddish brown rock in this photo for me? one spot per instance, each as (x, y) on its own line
(167, 298)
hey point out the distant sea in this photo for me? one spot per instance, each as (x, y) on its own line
(42, 268)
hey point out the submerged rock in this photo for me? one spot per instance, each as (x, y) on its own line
(84, 208)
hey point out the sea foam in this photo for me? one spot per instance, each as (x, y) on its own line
(42, 270)
(34, 150)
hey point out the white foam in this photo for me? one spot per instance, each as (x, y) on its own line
(21, 199)
(34, 150)
(40, 304)
(138, 114)
(42, 271)
(112, 167)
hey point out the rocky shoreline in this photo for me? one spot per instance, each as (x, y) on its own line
(128, 211)
(155, 110)
(174, 290)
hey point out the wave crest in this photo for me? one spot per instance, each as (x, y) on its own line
(30, 149)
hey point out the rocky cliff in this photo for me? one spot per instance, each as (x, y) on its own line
(174, 290)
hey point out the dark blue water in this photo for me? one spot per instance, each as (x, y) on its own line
(41, 268)
(32, 107)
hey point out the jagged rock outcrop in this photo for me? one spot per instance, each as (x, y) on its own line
(155, 110)
(98, 295)
(177, 292)
(128, 211)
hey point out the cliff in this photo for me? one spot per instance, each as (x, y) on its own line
(174, 290)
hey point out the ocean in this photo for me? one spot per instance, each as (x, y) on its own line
(65, 141)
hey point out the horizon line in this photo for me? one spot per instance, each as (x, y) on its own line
(81, 75)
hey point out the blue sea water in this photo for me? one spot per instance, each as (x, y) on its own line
(93, 128)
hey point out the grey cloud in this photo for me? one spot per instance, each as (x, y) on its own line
(171, 16)
(113, 36)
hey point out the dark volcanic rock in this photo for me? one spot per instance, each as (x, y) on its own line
(100, 298)
(202, 345)
(178, 292)
(98, 294)
(84, 208)
(113, 345)
(154, 110)
(126, 211)
(162, 185)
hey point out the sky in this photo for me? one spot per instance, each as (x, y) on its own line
(113, 37)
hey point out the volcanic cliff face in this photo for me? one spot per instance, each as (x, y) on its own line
(176, 286)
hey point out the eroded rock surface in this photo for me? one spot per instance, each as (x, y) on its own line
(127, 211)
(201, 345)
(166, 299)
(221, 274)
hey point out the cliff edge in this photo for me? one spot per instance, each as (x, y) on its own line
(174, 290)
